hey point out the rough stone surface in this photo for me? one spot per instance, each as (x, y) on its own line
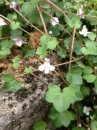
(18, 111)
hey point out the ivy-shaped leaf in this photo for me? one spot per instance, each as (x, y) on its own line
(85, 91)
(62, 99)
(30, 53)
(74, 22)
(62, 53)
(59, 119)
(44, 39)
(52, 44)
(28, 70)
(92, 36)
(89, 78)
(74, 76)
(16, 60)
(28, 7)
(4, 52)
(11, 84)
(41, 51)
(90, 48)
(14, 25)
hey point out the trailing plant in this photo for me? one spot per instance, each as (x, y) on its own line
(57, 37)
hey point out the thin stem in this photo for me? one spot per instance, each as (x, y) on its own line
(42, 19)
(72, 46)
(70, 61)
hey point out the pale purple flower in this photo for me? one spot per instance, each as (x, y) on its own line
(14, 5)
(46, 67)
(54, 21)
(84, 31)
(18, 41)
(21, 62)
(2, 22)
(87, 110)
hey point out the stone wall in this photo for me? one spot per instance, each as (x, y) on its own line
(18, 111)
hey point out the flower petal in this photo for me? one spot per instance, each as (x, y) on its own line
(46, 70)
(41, 67)
(51, 68)
(87, 113)
(84, 109)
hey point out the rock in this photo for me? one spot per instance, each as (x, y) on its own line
(20, 110)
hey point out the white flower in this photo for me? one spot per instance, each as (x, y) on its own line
(2, 22)
(14, 5)
(46, 67)
(54, 21)
(84, 31)
(81, 12)
(50, 32)
(18, 41)
(87, 110)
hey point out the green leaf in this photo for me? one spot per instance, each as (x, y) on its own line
(52, 44)
(14, 85)
(6, 43)
(14, 25)
(94, 125)
(28, 70)
(95, 83)
(1, 2)
(89, 77)
(62, 99)
(8, 77)
(30, 53)
(44, 39)
(77, 1)
(74, 76)
(16, 60)
(92, 36)
(81, 65)
(11, 84)
(85, 91)
(90, 48)
(28, 7)
(4, 52)
(74, 22)
(78, 128)
(40, 125)
(92, 21)
(59, 119)
(87, 70)
(25, 49)
(41, 51)
(62, 53)
(15, 33)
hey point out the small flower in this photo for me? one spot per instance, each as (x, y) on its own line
(87, 110)
(54, 21)
(2, 22)
(14, 5)
(46, 67)
(84, 31)
(21, 62)
(18, 41)
(50, 32)
(81, 12)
